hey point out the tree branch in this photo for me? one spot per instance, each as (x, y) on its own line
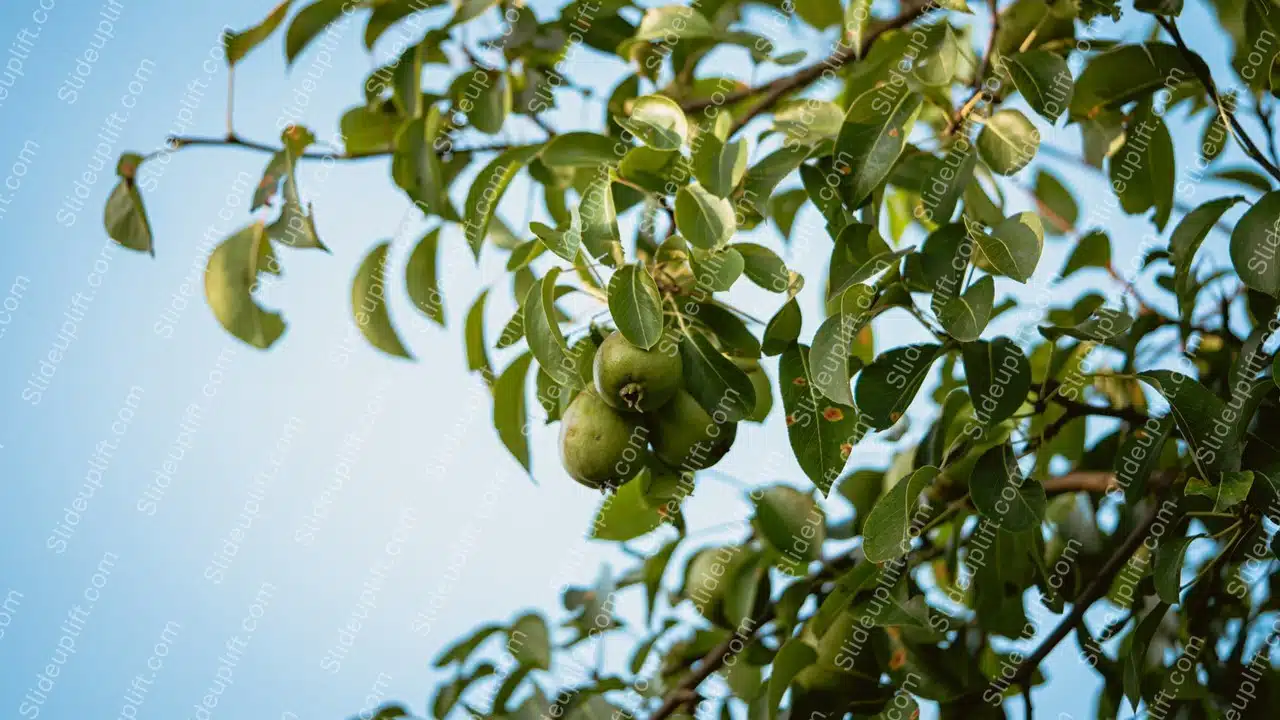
(983, 70)
(1092, 592)
(1206, 79)
(843, 54)
(179, 142)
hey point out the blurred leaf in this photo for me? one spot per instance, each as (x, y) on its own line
(230, 279)
(509, 414)
(239, 44)
(420, 277)
(1125, 73)
(1253, 245)
(369, 303)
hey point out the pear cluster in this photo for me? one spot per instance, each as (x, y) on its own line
(638, 411)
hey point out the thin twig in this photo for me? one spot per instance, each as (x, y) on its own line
(175, 143)
(1206, 79)
(1094, 590)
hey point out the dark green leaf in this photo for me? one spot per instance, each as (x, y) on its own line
(510, 417)
(487, 190)
(477, 351)
(636, 306)
(822, 433)
(887, 386)
(1203, 419)
(1002, 495)
(1254, 242)
(1125, 73)
(1044, 80)
(1168, 568)
(783, 328)
(888, 530)
(1013, 247)
(310, 22)
(998, 375)
(793, 656)
(871, 140)
(126, 218)
(1008, 141)
(542, 330)
(964, 317)
(420, 278)
(719, 386)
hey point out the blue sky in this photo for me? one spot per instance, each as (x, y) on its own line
(208, 461)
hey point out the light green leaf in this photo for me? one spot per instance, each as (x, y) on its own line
(792, 657)
(822, 433)
(369, 303)
(369, 131)
(887, 386)
(763, 267)
(542, 330)
(473, 330)
(599, 219)
(421, 280)
(671, 24)
(467, 10)
(126, 219)
(308, 23)
(705, 220)
(833, 345)
(1008, 141)
(239, 44)
(530, 643)
(416, 167)
(658, 122)
(296, 225)
(1253, 245)
(1012, 248)
(564, 242)
(717, 270)
(406, 81)
(965, 316)
(783, 328)
(791, 522)
(1044, 80)
(1001, 493)
(636, 306)
(1102, 325)
(582, 149)
(230, 279)
(388, 12)
(719, 166)
(625, 515)
(510, 417)
(487, 190)
(887, 532)
(1226, 494)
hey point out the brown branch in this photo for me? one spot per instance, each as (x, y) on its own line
(1092, 592)
(1206, 79)
(1092, 481)
(175, 143)
(983, 70)
(843, 54)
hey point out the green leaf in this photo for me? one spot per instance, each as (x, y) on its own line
(582, 149)
(420, 277)
(1044, 80)
(406, 81)
(1092, 250)
(833, 345)
(467, 10)
(964, 317)
(599, 219)
(1055, 202)
(388, 12)
(1226, 494)
(783, 208)
(486, 98)
(719, 166)
(1168, 8)
(510, 417)
(1140, 454)
(887, 532)
(542, 330)
(1135, 662)
(126, 219)
(625, 515)
(1103, 324)
(717, 270)
(793, 656)
(670, 24)
(369, 131)
(791, 522)
(808, 121)
(487, 190)
(1185, 241)
(998, 375)
(563, 242)
(1168, 568)
(1013, 247)
(1143, 171)
(1126, 73)
(369, 303)
(296, 225)
(705, 220)
(1203, 419)
(887, 386)
(477, 349)
(763, 177)
(636, 306)
(230, 279)
(1254, 242)
(874, 133)
(1214, 139)
(763, 267)
(417, 168)
(719, 385)
(529, 641)
(658, 122)
(783, 328)
(308, 23)
(946, 182)
(1002, 495)
(822, 433)
(655, 567)
(461, 650)
(1007, 142)
(937, 64)
(237, 45)
(821, 14)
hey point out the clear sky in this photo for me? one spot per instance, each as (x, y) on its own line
(183, 514)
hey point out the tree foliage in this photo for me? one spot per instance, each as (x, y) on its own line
(1113, 450)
